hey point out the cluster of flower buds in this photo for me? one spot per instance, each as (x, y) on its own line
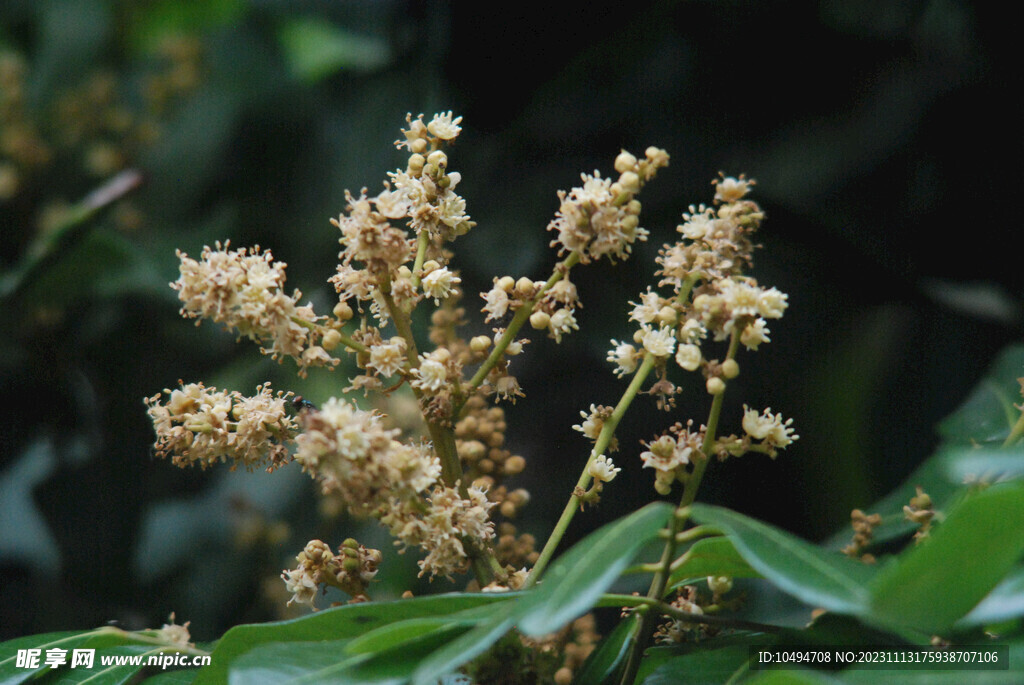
(243, 290)
(350, 570)
(601, 217)
(199, 425)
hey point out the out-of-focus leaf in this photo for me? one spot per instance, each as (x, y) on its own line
(988, 412)
(1005, 602)
(712, 557)
(316, 48)
(970, 463)
(604, 663)
(115, 674)
(814, 575)
(11, 672)
(464, 648)
(152, 22)
(939, 581)
(180, 677)
(341, 623)
(701, 666)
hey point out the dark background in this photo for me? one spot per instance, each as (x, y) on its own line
(884, 137)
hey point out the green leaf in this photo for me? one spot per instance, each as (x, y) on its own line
(712, 557)
(11, 673)
(116, 674)
(184, 676)
(988, 413)
(701, 666)
(150, 23)
(813, 575)
(316, 48)
(974, 463)
(463, 649)
(341, 623)
(937, 582)
(1005, 602)
(603, 664)
(574, 583)
(792, 677)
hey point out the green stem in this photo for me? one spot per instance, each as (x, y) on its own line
(604, 438)
(660, 607)
(645, 628)
(517, 322)
(422, 242)
(1015, 432)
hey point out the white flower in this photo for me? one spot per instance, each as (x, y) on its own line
(430, 376)
(729, 189)
(659, 342)
(387, 359)
(772, 303)
(692, 331)
(301, 585)
(688, 357)
(768, 427)
(438, 283)
(647, 310)
(624, 356)
(497, 302)
(444, 127)
(603, 469)
(562, 322)
(698, 222)
(755, 334)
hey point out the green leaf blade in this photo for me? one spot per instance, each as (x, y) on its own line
(813, 575)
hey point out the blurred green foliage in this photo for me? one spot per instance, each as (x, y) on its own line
(876, 131)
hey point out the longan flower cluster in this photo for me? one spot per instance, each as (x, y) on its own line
(350, 452)
(350, 570)
(601, 217)
(204, 426)
(243, 290)
(449, 524)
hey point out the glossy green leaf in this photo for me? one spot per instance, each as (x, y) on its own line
(1005, 602)
(11, 673)
(316, 48)
(604, 663)
(817, 576)
(393, 634)
(464, 648)
(988, 413)
(712, 557)
(939, 581)
(579, 577)
(701, 666)
(793, 677)
(971, 464)
(341, 623)
(115, 674)
(183, 676)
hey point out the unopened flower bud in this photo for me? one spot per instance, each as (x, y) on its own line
(416, 163)
(630, 182)
(524, 287)
(540, 320)
(480, 344)
(514, 465)
(633, 207)
(625, 162)
(419, 146)
(507, 283)
(638, 337)
(331, 340)
(430, 265)
(342, 311)
(351, 543)
(715, 385)
(438, 159)
(350, 565)
(730, 369)
(719, 584)
(667, 316)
